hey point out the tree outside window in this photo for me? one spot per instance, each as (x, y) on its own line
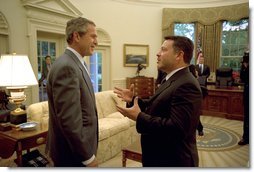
(235, 38)
(185, 29)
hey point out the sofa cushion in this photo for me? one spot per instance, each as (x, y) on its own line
(119, 115)
(112, 126)
(115, 115)
(106, 101)
(38, 111)
(99, 110)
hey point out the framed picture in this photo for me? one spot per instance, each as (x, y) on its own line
(135, 54)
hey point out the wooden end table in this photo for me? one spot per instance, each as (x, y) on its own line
(132, 152)
(18, 140)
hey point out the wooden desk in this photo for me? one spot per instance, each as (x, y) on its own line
(132, 152)
(224, 102)
(17, 140)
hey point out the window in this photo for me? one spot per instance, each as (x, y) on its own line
(44, 48)
(234, 43)
(185, 29)
(96, 71)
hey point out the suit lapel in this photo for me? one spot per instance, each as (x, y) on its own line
(84, 73)
(168, 83)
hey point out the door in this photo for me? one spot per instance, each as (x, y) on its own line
(48, 44)
(99, 68)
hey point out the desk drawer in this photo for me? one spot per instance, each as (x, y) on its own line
(34, 141)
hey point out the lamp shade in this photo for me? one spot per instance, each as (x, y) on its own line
(16, 71)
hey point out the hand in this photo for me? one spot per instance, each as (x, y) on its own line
(94, 163)
(125, 94)
(132, 112)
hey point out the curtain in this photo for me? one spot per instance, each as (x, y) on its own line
(208, 26)
(211, 44)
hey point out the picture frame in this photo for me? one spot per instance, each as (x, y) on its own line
(135, 54)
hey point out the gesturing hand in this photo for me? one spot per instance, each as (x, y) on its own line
(125, 94)
(132, 112)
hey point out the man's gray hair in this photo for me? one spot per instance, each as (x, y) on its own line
(79, 25)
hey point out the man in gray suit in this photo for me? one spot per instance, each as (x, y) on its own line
(168, 120)
(73, 122)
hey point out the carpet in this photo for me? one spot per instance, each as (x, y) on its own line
(217, 138)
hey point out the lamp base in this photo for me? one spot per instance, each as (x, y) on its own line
(18, 118)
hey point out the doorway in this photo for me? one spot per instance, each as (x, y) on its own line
(48, 44)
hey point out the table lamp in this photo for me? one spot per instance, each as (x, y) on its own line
(16, 74)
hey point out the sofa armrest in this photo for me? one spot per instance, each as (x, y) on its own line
(38, 111)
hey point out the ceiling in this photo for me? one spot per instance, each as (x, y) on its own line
(184, 3)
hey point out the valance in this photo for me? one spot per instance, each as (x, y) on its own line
(205, 16)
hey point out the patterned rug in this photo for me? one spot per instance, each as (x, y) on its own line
(217, 138)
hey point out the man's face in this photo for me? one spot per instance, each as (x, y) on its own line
(48, 60)
(201, 58)
(166, 57)
(88, 41)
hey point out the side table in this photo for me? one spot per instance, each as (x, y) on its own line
(132, 152)
(18, 140)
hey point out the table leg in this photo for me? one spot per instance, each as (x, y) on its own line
(124, 159)
(19, 154)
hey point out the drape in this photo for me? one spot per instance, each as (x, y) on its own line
(208, 23)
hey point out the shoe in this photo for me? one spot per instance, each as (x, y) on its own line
(200, 133)
(243, 142)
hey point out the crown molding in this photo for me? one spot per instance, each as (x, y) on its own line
(183, 3)
(59, 7)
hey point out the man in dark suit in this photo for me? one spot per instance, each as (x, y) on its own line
(244, 75)
(203, 69)
(203, 72)
(73, 122)
(45, 69)
(167, 121)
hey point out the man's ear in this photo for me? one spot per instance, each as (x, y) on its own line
(76, 36)
(180, 55)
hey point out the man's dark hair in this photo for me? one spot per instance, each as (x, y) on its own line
(182, 43)
(193, 70)
(48, 56)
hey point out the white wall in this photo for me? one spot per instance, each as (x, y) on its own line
(126, 23)
(15, 15)
(132, 23)
(135, 22)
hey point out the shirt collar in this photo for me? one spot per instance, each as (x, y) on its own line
(173, 72)
(80, 58)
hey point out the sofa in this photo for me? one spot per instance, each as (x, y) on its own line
(115, 130)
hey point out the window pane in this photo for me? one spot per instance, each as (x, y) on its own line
(234, 50)
(225, 50)
(44, 48)
(185, 29)
(96, 71)
(52, 49)
(234, 43)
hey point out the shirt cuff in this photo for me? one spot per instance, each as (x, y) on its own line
(89, 160)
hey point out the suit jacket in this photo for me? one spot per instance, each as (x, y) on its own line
(44, 73)
(168, 123)
(73, 121)
(202, 77)
(206, 70)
